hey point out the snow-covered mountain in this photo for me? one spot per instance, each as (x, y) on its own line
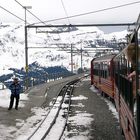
(12, 46)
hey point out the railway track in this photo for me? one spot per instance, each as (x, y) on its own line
(56, 118)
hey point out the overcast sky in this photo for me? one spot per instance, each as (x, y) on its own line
(47, 10)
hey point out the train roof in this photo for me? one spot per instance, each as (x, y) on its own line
(107, 57)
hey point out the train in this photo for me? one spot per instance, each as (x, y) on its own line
(109, 73)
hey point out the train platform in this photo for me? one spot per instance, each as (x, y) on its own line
(91, 116)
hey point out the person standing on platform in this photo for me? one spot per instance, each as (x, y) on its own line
(15, 88)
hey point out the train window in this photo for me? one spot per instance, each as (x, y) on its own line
(124, 66)
(96, 68)
(106, 70)
(103, 69)
(109, 69)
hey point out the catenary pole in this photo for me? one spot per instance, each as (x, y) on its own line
(26, 49)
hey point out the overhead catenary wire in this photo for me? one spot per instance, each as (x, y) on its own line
(12, 13)
(30, 12)
(66, 14)
(69, 27)
(33, 15)
(92, 12)
(69, 34)
(65, 11)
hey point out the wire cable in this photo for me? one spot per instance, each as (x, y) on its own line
(65, 11)
(30, 12)
(92, 12)
(12, 13)
(66, 14)
(33, 15)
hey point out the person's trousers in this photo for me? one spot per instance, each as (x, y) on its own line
(12, 101)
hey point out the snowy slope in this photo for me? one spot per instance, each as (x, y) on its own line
(12, 47)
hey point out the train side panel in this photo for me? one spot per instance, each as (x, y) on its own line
(95, 79)
(124, 96)
(102, 76)
(124, 90)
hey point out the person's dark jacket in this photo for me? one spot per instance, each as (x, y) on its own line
(15, 88)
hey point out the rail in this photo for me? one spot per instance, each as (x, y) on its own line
(61, 103)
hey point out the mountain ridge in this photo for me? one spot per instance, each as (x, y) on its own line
(12, 46)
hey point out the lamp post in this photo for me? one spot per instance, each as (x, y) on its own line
(26, 48)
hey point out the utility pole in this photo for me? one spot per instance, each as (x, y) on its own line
(26, 59)
(71, 58)
(81, 58)
(81, 51)
(26, 49)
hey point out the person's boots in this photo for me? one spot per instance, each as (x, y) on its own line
(16, 108)
(9, 108)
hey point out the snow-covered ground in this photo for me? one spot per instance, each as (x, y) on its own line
(5, 98)
(80, 118)
(110, 104)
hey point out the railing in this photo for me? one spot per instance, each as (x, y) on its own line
(32, 80)
(2, 86)
(125, 88)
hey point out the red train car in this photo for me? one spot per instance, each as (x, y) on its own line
(124, 95)
(102, 74)
(109, 74)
